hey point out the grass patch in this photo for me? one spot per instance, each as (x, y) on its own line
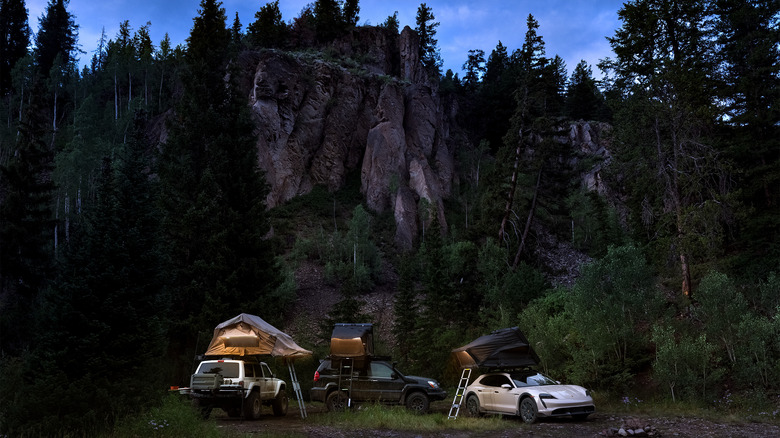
(175, 417)
(375, 416)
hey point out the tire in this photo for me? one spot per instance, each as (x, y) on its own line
(204, 409)
(580, 417)
(528, 410)
(253, 406)
(417, 402)
(472, 406)
(280, 404)
(336, 401)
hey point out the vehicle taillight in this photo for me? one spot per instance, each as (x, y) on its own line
(316, 376)
(241, 384)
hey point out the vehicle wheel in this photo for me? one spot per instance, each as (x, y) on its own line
(336, 401)
(203, 409)
(417, 402)
(472, 406)
(253, 406)
(528, 410)
(280, 404)
(580, 417)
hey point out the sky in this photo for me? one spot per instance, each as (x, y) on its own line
(575, 30)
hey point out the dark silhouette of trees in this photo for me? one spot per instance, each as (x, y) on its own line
(14, 39)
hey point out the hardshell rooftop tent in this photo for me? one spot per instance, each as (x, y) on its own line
(352, 341)
(248, 334)
(504, 348)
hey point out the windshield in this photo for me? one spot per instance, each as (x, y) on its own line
(532, 379)
(227, 369)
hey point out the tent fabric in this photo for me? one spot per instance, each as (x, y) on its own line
(248, 334)
(352, 341)
(504, 348)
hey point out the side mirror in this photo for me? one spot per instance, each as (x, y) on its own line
(506, 386)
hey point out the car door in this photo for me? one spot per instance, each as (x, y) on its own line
(495, 395)
(267, 382)
(386, 385)
(505, 397)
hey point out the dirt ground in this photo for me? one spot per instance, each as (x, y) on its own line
(600, 424)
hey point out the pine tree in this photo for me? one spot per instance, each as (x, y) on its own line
(748, 35)
(26, 226)
(14, 39)
(57, 36)
(663, 82)
(584, 101)
(268, 29)
(426, 32)
(213, 195)
(328, 20)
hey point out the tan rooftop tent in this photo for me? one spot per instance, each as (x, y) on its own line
(352, 341)
(248, 334)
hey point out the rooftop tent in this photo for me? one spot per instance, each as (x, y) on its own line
(352, 340)
(248, 334)
(504, 348)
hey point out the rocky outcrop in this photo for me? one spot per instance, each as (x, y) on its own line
(318, 121)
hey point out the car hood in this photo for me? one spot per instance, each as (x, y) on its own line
(420, 380)
(562, 391)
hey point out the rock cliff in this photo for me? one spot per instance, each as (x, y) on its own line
(317, 121)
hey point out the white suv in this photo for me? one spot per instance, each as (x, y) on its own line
(237, 386)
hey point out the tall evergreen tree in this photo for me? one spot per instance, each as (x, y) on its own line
(26, 226)
(57, 36)
(14, 39)
(426, 32)
(584, 101)
(213, 196)
(328, 20)
(749, 32)
(268, 29)
(663, 82)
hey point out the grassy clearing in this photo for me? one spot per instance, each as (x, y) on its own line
(371, 416)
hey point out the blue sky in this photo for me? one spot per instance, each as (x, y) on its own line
(572, 29)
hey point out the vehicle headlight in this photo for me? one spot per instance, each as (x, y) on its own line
(433, 384)
(544, 395)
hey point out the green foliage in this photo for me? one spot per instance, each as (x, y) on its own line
(685, 364)
(268, 29)
(610, 301)
(174, 417)
(721, 308)
(430, 55)
(354, 256)
(595, 225)
(549, 327)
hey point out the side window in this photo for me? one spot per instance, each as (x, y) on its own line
(266, 371)
(380, 370)
(496, 381)
(249, 370)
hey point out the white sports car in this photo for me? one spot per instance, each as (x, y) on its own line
(528, 394)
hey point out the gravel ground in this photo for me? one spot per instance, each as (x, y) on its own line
(599, 424)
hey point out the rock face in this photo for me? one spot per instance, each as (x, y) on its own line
(318, 121)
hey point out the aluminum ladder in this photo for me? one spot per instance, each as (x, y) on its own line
(456, 402)
(297, 388)
(346, 373)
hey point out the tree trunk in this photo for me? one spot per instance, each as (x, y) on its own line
(528, 220)
(511, 195)
(116, 99)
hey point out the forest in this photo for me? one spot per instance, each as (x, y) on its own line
(119, 254)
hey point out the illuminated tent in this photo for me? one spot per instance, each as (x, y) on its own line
(248, 334)
(352, 341)
(504, 348)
